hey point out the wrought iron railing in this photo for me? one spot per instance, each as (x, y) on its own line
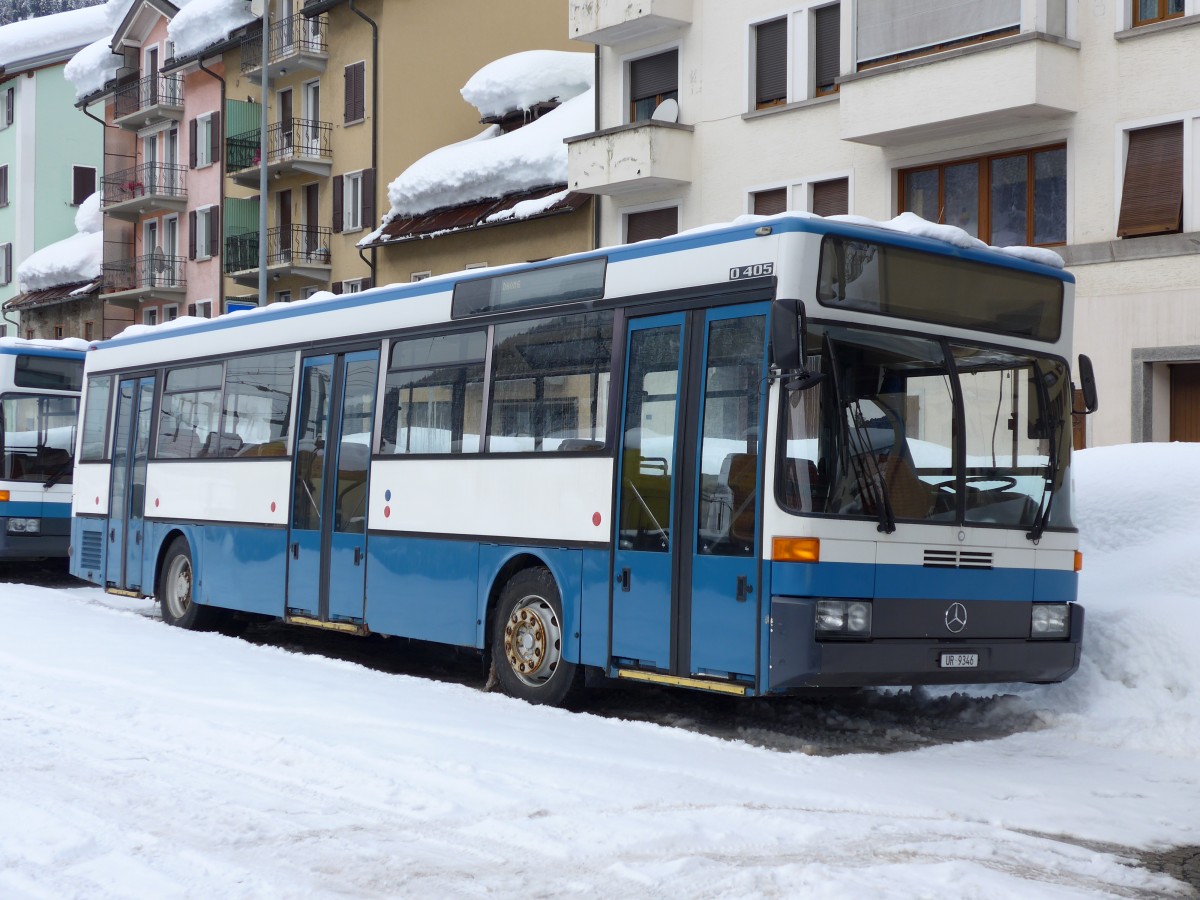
(287, 141)
(153, 90)
(146, 180)
(297, 245)
(152, 270)
(288, 37)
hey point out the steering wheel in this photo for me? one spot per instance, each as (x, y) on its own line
(1005, 482)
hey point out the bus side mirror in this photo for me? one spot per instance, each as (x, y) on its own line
(1087, 384)
(787, 343)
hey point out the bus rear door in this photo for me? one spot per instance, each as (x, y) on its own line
(127, 497)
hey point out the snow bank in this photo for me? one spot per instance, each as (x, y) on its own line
(523, 80)
(203, 23)
(89, 219)
(48, 35)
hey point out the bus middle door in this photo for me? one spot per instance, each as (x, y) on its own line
(127, 495)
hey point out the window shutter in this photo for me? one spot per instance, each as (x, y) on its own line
(214, 231)
(215, 135)
(338, 187)
(368, 198)
(6, 251)
(653, 223)
(191, 309)
(355, 101)
(3, 185)
(192, 234)
(770, 66)
(360, 91)
(336, 287)
(9, 102)
(831, 198)
(827, 58)
(654, 75)
(1152, 195)
(770, 203)
(193, 127)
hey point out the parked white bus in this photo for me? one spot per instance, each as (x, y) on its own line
(781, 454)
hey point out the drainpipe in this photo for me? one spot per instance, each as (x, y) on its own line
(221, 274)
(596, 125)
(263, 195)
(374, 122)
(100, 187)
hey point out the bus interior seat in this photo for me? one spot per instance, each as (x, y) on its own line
(648, 512)
(739, 472)
(221, 443)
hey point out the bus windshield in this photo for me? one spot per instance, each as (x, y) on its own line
(38, 437)
(907, 428)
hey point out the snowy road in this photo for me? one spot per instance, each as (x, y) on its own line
(141, 761)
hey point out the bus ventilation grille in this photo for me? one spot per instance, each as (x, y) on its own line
(958, 559)
(91, 549)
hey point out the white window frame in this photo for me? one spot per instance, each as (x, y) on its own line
(420, 276)
(170, 312)
(6, 252)
(627, 74)
(1191, 165)
(762, 189)
(352, 183)
(202, 309)
(801, 52)
(5, 94)
(477, 265)
(203, 236)
(150, 316)
(204, 124)
(283, 296)
(306, 292)
(676, 205)
(354, 285)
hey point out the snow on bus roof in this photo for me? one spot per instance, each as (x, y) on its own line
(38, 345)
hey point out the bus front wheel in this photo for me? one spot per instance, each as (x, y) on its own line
(527, 641)
(175, 589)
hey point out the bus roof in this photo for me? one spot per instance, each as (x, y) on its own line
(905, 231)
(69, 349)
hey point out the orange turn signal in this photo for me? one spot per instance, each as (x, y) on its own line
(793, 549)
(1078, 560)
(3, 495)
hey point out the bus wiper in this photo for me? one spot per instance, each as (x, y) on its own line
(58, 473)
(870, 482)
(1048, 492)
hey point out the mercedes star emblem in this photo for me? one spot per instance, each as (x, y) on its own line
(956, 618)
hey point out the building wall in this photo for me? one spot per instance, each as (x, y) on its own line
(201, 96)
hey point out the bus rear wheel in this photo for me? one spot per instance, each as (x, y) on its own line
(175, 589)
(527, 641)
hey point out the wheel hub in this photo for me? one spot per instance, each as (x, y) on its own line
(533, 641)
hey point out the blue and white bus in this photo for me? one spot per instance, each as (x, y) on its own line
(39, 404)
(781, 454)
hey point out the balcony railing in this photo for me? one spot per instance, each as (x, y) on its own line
(294, 245)
(292, 36)
(146, 180)
(145, 273)
(148, 93)
(292, 140)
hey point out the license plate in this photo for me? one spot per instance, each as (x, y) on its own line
(960, 660)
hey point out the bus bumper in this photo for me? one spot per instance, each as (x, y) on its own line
(912, 653)
(51, 541)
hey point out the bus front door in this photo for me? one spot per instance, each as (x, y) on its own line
(127, 495)
(686, 596)
(327, 541)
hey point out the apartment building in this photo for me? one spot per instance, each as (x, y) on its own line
(1054, 123)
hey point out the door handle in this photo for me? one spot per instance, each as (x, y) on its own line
(744, 587)
(137, 538)
(623, 579)
(358, 555)
(112, 535)
(296, 550)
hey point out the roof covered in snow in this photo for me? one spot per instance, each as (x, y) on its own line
(202, 23)
(524, 80)
(72, 261)
(51, 38)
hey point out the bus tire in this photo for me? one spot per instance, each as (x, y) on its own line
(175, 589)
(527, 641)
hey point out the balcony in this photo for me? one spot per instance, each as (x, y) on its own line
(148, 101)
(638, 157)
(129, 281)
(293, 251)
(1013, 81)
(296, 44)
(613, 22)
(294, 146)
(144, 189)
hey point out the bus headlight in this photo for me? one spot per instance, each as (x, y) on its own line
(847, 618)
(24, 526)
(1049, 620)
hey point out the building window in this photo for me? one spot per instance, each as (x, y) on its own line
(204, 232)
(769, 203)
(1152, 193)
(201, 309)
(1017, 198)
(1147, 11)
(886, 32)
(827, 49)
(88, 330)
(652, 223)
(831, 198)
(10, 103)
(419, 276)
(283, 296)
(204, 136)
(5, 263)
(476, 265)
(352, 201)
(29, 334)
(652, 79)
(170, 312)
(356, 92)
(58, 332)
(821, 61)
(307, 292)
(3, 185)
(770, 63)
(150, 316)
(83, 183)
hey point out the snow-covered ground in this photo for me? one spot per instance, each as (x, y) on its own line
(142, 761)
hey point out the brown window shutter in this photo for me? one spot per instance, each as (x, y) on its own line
(336, 287)
(3, 185)
(653, 223)
(355, 101)
(338, 187)
(215, 134)
(6, 250)
(214, 231)
(1152, 195)
(654, 75)
(192, 234)
(193, 127)
(770, 66)
(831, 198)
(360, 91)
(770, 203)
(368, 198)
(827, 58)
(9, 102)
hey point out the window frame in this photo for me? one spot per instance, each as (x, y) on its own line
(204, 139)
(1186, 151)
(801, 56)
(627, 214)
(4, 197)
(984, 163)
(659, 98)
(6, 260)
(1135, 21)
(352, 199)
